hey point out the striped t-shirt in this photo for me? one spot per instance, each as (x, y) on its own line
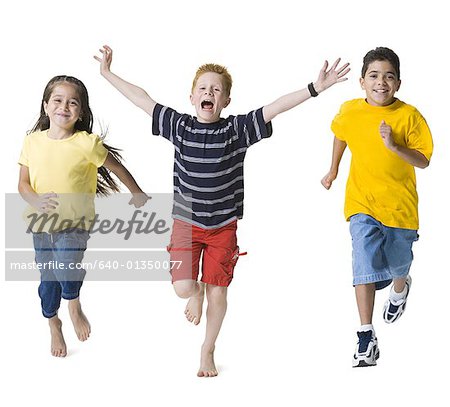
(208, 176)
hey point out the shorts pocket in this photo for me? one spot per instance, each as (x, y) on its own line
(231, 263)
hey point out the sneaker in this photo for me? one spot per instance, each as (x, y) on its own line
(367, 352)
(393, 310)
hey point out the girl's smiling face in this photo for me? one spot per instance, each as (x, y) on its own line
(380, 83)
(63, 107)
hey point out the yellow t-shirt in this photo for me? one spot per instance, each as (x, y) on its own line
(380, 183)
(67, 167)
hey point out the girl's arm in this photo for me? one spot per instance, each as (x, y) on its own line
(339, 147)
(324, 81)
(42, 202)
(139, 197)
(132, 92)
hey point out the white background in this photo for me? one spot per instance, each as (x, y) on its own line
(289, 334)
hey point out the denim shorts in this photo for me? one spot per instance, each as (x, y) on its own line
(380, 253)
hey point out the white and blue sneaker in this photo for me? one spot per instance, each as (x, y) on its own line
(367, 352)
(393, 310)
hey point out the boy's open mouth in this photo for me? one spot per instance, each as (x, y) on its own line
(207, 105)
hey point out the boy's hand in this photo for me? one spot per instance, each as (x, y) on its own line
(139, 199)
(328, 179)
(386, 135)
(105, 60)
(334, 75)
(45, 202)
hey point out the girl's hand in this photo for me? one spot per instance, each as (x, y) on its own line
(105, 60)
(45, 202)
(139, 199)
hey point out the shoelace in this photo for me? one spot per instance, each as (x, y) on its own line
(393, 308)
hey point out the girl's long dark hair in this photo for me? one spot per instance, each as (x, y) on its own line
(105, 183)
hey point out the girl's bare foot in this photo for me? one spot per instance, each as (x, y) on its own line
(79, 320)
(207, 366)
(58, 345)
(194, 306)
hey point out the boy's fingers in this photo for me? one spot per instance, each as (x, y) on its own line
(333, 67)
(343, 67)
(344, 72)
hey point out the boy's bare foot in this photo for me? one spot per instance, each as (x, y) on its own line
(194, 306)
(207, 366)
(58, 345)
(79, 320)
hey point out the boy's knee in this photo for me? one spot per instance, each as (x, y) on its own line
(216, 293)
(185, 288)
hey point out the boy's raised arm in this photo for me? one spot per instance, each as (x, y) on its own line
(326, 79)
(132, 92)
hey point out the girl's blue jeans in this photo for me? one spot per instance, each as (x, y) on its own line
(58, 257)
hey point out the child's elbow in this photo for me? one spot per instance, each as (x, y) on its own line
(424, 164)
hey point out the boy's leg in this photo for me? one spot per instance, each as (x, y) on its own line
(365, 299)
(369, 273)
(398, 249)
(185, 250)
(399, 284)
(195, 291)
(215, 313)
(366, 353)
(219, 259)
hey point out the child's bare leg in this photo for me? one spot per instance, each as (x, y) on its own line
(58, 345)
(195, 291)
(365, 298)
(399, 284)
(215, 313)
(79, 320)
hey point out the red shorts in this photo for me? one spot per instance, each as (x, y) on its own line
(219, 248)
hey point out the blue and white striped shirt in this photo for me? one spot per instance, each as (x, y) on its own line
(208, 176)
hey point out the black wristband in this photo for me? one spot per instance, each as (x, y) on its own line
(312, 91)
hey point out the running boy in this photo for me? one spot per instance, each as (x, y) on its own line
(387, 139)
(208, 182)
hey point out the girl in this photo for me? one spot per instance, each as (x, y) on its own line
(63, 165)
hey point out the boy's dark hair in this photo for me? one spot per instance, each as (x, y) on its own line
(381, 54)
(105, 183)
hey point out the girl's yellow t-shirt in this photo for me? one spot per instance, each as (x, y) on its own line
(67, 167)
(380, 183)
